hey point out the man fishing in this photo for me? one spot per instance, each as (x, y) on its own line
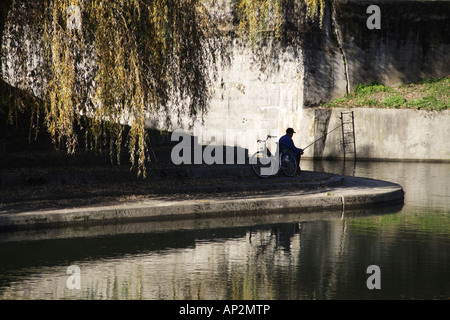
(286, 142)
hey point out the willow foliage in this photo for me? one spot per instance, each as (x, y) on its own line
(127, 59)
(315, 9)
(257, 17)
(146, 52)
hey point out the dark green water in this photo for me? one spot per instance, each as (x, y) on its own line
(304, 256)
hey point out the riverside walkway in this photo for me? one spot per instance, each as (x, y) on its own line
(55, 198)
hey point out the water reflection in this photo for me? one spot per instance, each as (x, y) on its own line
(296, 256)
(427, 185)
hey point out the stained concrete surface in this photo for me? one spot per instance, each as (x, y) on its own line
(202, 192)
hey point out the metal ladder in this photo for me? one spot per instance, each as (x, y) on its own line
(348, 134)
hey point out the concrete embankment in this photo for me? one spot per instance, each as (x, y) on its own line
(387, 134)
(307, 192)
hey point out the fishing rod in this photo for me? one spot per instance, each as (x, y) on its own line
(322, 136)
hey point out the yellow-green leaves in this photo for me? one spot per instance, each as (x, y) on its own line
(144, 55)
(258, 17)
(266, 17)
(109, 65)
(315, 9)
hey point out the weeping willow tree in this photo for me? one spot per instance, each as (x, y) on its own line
(145, 54)
(257, 17)
(110, 65)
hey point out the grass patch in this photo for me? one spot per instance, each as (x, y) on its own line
(440, 88)
(428, 103)
(366, 102)
(394, 101)
(363, 90)
(428, 94)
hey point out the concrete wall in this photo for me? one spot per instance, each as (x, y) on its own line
(275, 87)
(266, 89)
(412, 44)
(261, 94)
(386, 134)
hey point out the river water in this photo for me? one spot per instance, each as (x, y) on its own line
(283, 257)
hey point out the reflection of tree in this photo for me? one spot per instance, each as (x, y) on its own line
(314, 260)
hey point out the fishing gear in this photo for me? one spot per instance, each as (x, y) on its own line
(323, 136)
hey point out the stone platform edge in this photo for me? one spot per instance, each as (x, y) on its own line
(354, 193)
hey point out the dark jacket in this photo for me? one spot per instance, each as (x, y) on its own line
(286, 142)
